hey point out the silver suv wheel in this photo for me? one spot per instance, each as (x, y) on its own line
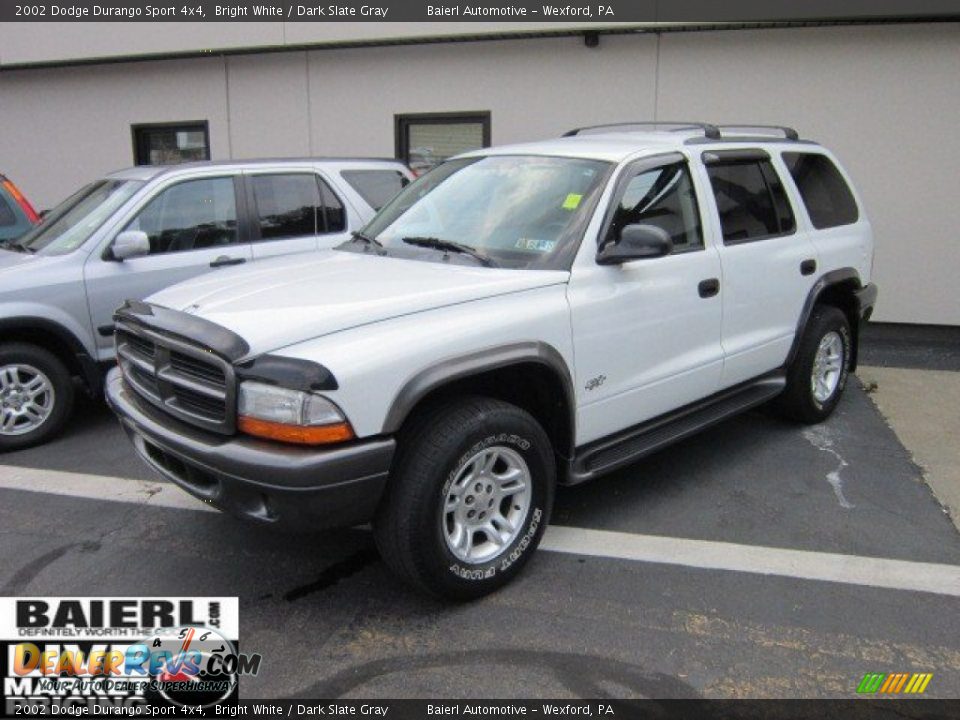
(26, 399)
(486, 505)
(827, 366)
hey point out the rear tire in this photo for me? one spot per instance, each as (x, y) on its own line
(468, 499)
(36, 395)
(818, 374)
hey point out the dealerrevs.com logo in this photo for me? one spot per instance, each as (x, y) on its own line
(121, 652)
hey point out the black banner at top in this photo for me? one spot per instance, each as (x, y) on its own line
(605, 12)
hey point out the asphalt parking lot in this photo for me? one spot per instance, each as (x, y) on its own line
(584, 622)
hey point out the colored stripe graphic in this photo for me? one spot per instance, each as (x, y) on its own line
(893, 683)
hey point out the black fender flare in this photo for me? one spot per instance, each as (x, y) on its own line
(840, 277)
(89, 368)
(461, 367)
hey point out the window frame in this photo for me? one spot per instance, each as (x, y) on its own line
(748, 156)
(638, 167)
(181, 126)
(242, 212)
(403, 121)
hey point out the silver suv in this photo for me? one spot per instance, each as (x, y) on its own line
(136, 231)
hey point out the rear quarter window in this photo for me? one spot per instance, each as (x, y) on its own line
(376, 187)
(825, 193)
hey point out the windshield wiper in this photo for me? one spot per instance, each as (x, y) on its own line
(450, 246)
(357, 235)
(18, 246)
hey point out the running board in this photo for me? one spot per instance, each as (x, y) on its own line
(609, 454)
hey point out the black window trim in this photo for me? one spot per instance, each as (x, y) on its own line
(749, 156)
(803, 202)
(403, 121)
(243, 230)
(325, 186)
(184, 125)
(641, 165)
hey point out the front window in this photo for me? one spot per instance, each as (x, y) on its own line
(72, 222)
(191, 215)
(512, 211)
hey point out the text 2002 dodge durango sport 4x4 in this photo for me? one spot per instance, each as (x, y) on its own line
(519, 317)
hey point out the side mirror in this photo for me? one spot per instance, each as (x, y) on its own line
(130, 244)
(636, 242)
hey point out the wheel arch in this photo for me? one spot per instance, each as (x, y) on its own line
(52, 336)
(838, 289)
(531, 375)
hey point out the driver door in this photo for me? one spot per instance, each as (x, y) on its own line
(647, 333)
(193, 229)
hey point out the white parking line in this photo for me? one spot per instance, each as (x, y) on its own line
(99, 487)
(704, 554)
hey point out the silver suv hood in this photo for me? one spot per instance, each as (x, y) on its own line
(279, 302)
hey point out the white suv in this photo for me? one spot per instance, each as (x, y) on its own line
(519, 317)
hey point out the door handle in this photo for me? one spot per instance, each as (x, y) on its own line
(808, 267)
(708, 288)
(224, 260)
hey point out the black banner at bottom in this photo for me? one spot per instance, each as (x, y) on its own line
(854, 709)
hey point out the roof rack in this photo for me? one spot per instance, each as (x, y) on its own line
(788, 132)
(710, 131)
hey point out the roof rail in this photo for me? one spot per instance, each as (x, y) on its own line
(710, 131)
(788, 132)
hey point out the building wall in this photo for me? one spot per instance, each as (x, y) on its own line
(883, 97)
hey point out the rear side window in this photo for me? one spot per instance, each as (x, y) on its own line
(825, 194)
(288, 206)
(376, 187)
(750, 200)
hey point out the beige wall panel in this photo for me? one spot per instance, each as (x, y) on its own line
(63, 127)
(534, 89)
(268, 105)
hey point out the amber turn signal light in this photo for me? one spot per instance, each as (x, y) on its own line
(299, 434)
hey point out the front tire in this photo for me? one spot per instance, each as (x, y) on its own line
(818, 374)
(36, 395)
(469, 498)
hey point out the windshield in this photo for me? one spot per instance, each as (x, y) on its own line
(74, 220)
(505, 211)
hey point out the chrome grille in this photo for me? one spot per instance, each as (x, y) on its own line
(185, 380)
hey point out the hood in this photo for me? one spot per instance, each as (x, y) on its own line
(278, 302)
(20, 271)
(13, 261)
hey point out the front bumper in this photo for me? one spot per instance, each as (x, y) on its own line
(298, 488)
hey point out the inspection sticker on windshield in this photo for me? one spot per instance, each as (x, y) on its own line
(572, 202)
(535, 244)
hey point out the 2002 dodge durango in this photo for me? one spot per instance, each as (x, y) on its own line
(517, 318)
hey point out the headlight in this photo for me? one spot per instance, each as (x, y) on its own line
(291, 416)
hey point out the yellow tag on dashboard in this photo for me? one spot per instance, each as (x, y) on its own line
(572, 202)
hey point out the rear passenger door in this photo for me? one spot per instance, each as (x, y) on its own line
(292, 211)
(768, 265)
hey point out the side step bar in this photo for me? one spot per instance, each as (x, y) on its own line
(608, 454)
